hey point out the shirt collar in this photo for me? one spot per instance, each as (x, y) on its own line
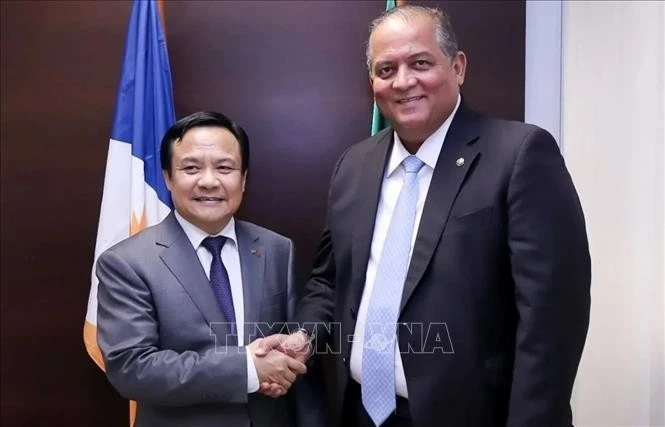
(428, 152)
(196, 235)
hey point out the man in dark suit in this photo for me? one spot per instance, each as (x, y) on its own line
(180, 303)
(452, 279)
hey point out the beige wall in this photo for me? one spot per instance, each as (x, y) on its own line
(613, 134)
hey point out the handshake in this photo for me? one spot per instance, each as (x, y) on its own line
(279, 359)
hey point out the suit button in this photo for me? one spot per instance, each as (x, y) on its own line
(344, 360)
(353, 314)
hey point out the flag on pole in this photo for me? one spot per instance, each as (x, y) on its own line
(135, 195)
(378, 121)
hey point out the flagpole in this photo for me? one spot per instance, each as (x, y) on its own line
(378, 121)
(162, 14)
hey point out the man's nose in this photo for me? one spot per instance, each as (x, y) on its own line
(404, 79)
(209, 178)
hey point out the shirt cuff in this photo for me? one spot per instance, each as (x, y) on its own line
(252, 375)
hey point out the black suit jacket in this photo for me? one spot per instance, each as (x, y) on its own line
(495, 308)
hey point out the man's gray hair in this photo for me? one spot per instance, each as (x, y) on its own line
(445, 35)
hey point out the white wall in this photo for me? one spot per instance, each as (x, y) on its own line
(542, 85)
(613, 134)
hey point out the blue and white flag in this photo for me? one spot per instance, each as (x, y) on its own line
(135, 195)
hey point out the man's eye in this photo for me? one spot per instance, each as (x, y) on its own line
(383, 71)
(190, 169)
(421, 63)
(225, 169)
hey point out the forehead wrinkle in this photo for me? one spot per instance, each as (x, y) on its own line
(401, 27)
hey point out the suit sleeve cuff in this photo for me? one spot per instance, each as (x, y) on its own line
(252, 375)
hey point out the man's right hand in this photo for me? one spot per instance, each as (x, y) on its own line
(296, 345)
(275, 368)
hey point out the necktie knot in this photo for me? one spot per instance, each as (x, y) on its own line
(214, 244)
(412, 164)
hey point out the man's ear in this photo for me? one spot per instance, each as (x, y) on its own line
(244, 181)
(459, 66)
(167, 178)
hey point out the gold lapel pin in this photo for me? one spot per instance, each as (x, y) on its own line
(460, 162)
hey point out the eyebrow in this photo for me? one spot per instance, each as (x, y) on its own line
(410, 57)
(419, 54)
(190, 159)
(194, 159)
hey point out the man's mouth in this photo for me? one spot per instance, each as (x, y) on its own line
(208, 199)
(410, 99)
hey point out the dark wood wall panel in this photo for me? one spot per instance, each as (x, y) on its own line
(292, 73)
(60, 65)
(491, 33)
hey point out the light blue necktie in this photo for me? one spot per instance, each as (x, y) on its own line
(378, 364)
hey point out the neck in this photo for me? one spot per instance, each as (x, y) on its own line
(411, 146)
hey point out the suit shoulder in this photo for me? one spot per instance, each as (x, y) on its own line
(263, 233)
(506, 139)
(354, 155)
(515, 130)
(140, 242)
(368, 143)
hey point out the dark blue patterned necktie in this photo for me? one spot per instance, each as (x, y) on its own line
(221, 286)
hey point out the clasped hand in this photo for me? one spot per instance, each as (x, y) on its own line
(279, 359)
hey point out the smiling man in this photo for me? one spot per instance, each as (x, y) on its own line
(206, 177)
(177, 301)
(456, 238)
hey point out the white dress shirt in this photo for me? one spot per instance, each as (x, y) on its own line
(390, 189)
(231, 260)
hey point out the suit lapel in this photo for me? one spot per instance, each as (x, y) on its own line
(446, 181)
(181, 259)
(368, 192)
(252, 265)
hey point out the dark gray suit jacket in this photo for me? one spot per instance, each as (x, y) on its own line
(155, 311)
(496, 298)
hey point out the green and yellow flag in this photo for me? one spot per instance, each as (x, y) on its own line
(378, 121)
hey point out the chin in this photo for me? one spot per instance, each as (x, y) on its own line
(412, 124)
